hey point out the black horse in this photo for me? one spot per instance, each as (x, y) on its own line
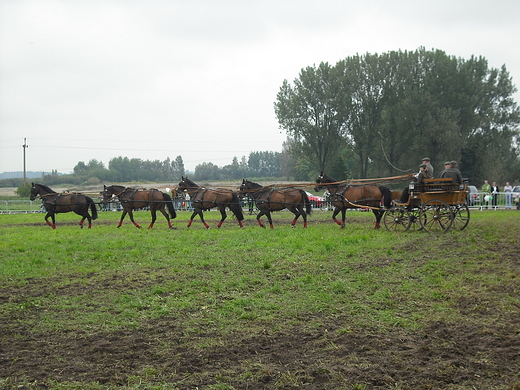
(344, 196)
(203, 198)
(270, 199)
(133, 199)
(55, 203)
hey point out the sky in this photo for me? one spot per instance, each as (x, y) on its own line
(153, 79)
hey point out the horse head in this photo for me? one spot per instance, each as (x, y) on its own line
(34, 191)
(110, 192)
(243, 186)
(323, 180)
(186, 184)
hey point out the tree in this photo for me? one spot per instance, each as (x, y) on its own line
(310, 114)
(395, 108)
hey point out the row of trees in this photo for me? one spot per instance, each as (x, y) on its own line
(378, 115)
(123, 169)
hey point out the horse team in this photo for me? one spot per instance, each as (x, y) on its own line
(343, 196)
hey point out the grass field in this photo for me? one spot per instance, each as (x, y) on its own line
(230, 308)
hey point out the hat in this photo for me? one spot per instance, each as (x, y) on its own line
(447, 163)
(423, 166)
(426, 159)
(454, 163)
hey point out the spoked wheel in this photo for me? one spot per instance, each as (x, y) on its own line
(414, 219)
(436, 216)
(397, 219)
(460, 216)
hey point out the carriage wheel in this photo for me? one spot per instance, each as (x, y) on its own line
(460, 216)
(397, 219)
(436, 216)
(414, 219)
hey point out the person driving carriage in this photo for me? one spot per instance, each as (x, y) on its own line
(419, 179)
(451, 171)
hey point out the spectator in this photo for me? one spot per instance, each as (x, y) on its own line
(508, 189)
(486, 190)
(494, 192)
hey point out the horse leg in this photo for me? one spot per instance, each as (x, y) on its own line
(163, 211)
(195, 212)
(260, 214)
(202, 219)
(85, 215)
(122, 218)
(343, 217)
(154, 218)
(335, 213)
(378, 213)
(268, 215)
(304, 215)
(53, 221)
(296, 216)
(47, 218)
(131, 215)
(223, 216)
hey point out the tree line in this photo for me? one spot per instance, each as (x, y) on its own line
(377, 115)
(262, 164)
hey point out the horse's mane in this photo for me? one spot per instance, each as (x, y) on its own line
(45, 188)
(253, 185)
(116, 186)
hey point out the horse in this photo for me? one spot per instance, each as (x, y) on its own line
(344, 196)
(55, 203)
(133, 199)
(270, 199)
(203, 198)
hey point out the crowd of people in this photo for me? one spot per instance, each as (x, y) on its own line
(451, 171)
(491, 192)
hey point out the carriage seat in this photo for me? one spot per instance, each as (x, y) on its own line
(440, 184)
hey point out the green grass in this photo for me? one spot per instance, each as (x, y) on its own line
(223, 281)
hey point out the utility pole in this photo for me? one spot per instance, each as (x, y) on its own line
(24, 146)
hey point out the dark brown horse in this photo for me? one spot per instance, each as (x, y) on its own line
(203, 198)
(270, 199)
(344, 196)
(133, 199)
(55, 203)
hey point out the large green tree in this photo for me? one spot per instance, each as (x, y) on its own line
(395, 108)
(310, 112)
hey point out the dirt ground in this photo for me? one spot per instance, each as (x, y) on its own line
(440, 356)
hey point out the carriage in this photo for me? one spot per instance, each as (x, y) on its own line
(437, 205)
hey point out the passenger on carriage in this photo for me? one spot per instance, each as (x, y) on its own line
(451, 171)
(419, 180)
(426, 160)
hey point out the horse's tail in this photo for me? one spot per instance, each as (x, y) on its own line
(169, 204)
(386, 194)
(93, 208)
(235, 207)
(307, 202)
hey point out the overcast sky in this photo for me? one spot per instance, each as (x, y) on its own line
(149, 79)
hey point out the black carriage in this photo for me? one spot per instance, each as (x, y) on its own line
(437, 205)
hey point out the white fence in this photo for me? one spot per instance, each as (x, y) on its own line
(487, 201)
(17, 206)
